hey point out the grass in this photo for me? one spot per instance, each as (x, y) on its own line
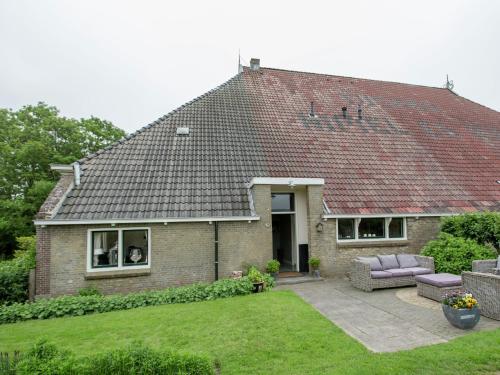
(275, 333)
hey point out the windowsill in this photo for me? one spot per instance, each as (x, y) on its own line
(115, 274)
(372, 243)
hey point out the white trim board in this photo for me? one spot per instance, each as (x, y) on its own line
(354, 216)
(290, 181)
(145, 221)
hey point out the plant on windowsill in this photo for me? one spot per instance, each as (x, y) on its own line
(461, 310)
(273, 267)
(314, 263)
(257, 278)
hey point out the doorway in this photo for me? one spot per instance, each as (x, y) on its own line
(283, 241)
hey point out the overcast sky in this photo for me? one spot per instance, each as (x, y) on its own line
(130, 62)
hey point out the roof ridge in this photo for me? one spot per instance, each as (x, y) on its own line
(470, 100)
(350, 77)
(156, 122)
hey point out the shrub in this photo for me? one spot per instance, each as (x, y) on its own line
(314, 262)
(45, 358)
(455, 254)
(14, 273)
(481, 227)
(82, 305)
(255, 276)
(89, 291)
(273, 266)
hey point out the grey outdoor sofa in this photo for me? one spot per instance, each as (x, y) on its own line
(487, 266)
(366, 276)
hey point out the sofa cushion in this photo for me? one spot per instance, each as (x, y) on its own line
(374, 263)
(419, 270)
(388, 261)
(440, 279)
(407, 260)
(380, 275)
(395, 272)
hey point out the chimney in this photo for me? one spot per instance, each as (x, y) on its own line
(254, 64)
(344, 112)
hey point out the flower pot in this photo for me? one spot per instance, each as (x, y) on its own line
(316, 274)
(258, 287)
(461, 318)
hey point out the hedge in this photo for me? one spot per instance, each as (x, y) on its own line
(483, 228)
(44, 358)
(82, 305)
(14, 273)
(455, 254)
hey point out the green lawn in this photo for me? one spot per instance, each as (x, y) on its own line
(268, 333)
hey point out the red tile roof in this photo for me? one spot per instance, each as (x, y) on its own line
(415, 149)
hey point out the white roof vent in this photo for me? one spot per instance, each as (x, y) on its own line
(183, 131)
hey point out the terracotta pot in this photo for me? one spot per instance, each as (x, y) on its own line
(462, 318)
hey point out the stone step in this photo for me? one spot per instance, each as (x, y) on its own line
(298, 280)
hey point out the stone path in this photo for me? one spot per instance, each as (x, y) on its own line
(385, 320)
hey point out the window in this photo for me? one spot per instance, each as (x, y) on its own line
(282, 202)
(371, 228)
(396, 228)
(346, 229)
(112, 249)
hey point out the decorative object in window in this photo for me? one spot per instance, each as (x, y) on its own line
(105, 249)
(346, 229)
(371, 228)
(135, 246)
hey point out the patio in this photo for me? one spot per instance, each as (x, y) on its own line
(385, 320)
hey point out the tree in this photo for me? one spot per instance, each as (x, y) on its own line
(31, 139)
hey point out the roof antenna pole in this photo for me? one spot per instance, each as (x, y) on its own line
(240, 67)
(449, 84)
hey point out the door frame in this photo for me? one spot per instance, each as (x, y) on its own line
(294, 226)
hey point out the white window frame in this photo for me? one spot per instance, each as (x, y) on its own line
(386, 238)
(120, 266)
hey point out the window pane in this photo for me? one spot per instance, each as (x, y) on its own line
(282, 202)
(396, 228)
(346, 229)
(135, 247)
(371, 228)
(105, 249)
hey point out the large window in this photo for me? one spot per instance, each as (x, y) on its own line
(119, 248)
(373, 228)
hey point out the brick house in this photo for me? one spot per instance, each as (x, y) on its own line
(271, 164)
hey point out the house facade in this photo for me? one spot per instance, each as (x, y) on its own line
(271, 164)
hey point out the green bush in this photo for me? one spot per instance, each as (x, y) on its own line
(14, 273)
(314, 262)
(273, 266)
(89, 291)
(255, 276)
(138, 359)
(82, 305)
(481, 227)
(455, 254)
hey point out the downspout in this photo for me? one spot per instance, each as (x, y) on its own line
(216, 250)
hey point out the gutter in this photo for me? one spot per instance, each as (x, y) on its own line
(355, 216)
(136, 221)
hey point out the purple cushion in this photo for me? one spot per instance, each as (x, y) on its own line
(419, 270)
(388, 261)
(373, 262)
(399, 272)
(407, 261)
(440, 279)
(380, 275)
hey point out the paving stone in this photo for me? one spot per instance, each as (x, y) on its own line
(383, 320)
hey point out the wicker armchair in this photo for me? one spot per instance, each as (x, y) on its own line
(485, 266)
(360, 275)
(485, 287)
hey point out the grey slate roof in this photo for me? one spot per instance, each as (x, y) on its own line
(156, 174)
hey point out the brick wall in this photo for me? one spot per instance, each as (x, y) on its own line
(336, 258)
(42, 271)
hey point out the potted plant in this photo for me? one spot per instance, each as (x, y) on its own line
(461, 310)
(256, 277)
(314, 263)
(273, 267)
